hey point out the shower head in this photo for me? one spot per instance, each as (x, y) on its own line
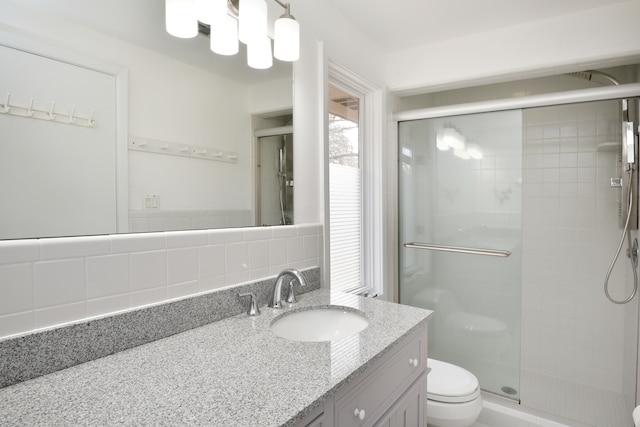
(589, 75)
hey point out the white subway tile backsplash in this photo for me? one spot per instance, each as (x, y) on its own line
(74, 247)
(234, 278)
(16, 281)
(277, 252)
(17, 251)
(308, 230)
(259, 254)
(183, 289)
(295, 248)
(226, 236)
(17, 323)
(121, 243)
(237, 257)
(182, 265)
(148, 270)
(107, 275)
(310, 246)
(185, 239)
(101, 306)
(58, 314)
(282, 231)
(148, 296)
(76, 278)
(211, 283)
(211, 260)
(259, 273)
(59, 282)
(258, 233)
(274, 269)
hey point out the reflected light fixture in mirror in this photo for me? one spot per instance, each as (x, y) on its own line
(233, 21)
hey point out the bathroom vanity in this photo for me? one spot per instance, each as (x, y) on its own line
(237, 372)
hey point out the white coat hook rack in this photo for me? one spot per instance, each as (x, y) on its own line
(182, 150)
(30, 111)
(5, 107)
(49, 114)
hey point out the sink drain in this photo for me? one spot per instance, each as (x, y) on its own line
(509, 390)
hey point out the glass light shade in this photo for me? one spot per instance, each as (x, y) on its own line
(224, 38)
(253, 20)
(286, 44)
(180, 18)
(211, 12)
(259, 53)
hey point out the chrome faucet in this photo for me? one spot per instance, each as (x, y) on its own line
(276, 295)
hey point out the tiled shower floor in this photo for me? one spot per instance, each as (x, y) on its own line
(585, 404)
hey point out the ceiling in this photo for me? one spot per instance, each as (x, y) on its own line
(393, 25)
(401, 24)
(141, 22)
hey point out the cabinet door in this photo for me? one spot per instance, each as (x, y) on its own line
(408, 411)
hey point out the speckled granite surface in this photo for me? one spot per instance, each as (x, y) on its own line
(40, 353)
(233, 372)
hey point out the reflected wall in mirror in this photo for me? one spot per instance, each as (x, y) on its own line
(188, 106)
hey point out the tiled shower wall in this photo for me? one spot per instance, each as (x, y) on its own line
(570, 234)
(46, 282)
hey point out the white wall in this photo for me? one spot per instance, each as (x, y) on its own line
(326, 35)
(606, 35)
(149, 267)
(168, 101)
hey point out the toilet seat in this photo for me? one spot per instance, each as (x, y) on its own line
(449, 383)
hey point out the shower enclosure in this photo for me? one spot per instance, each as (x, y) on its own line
(275, 177)
(508, 222)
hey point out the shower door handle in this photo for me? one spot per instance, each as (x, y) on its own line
(457, 249)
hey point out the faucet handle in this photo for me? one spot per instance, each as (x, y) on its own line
(253, 306)
(291, 296)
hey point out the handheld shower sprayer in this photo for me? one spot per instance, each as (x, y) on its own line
(629, 156)
(631, 120)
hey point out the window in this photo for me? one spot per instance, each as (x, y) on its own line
(354, 168)
(345, 190)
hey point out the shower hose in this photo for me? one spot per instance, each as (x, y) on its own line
(632, 256)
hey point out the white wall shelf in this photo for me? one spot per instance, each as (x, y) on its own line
(182, 150)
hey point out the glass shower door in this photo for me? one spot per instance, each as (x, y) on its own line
(460, 195)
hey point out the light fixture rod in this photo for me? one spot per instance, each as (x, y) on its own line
(285, 6)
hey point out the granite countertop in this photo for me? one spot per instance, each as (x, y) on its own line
(233, 372)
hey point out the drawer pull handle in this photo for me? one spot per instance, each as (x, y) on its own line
(413, 362)
(359, 413)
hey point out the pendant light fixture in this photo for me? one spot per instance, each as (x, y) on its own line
(231, 21)
(286, 35)
(180, 17)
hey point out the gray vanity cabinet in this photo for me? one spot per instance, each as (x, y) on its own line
(409, 410)
(391, 392)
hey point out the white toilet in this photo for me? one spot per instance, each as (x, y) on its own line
(453, 395)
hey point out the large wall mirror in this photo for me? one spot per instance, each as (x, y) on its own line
(208, 140)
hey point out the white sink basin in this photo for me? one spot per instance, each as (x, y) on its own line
(319, 324)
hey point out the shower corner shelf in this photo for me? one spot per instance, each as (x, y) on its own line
(609, 146)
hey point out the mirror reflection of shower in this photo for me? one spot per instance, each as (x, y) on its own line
(275, 176)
